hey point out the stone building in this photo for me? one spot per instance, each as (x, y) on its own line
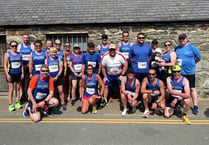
(79, 21)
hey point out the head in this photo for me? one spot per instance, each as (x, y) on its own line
(26, 39)
(58, 44)
(44, 71)
(104, 38)
(176, 71)
(49, 44)
(152, 74)
(89, 69)
(183, 39)
(67, 46)
(158, 52)
(13, 45)
(76, 49)
(130, 73)
(141, 38)
(125, 36)
(91, 47)
(112, 50)
(168, 45)
(38, 45)
(53, 52)
(154, 44)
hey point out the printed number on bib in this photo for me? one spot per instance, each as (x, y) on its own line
(90, 91)
(40, 95)
(126, 54)
(179, 62)
(131, 93)
(153, 64)
(15, 64)
(25, 57)
(38, 67)
(77, 67)
(176, 96)
(92, 63)
(142, 65)
(53, 68)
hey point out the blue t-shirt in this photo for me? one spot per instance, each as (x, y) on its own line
(25, 51)
(125, 49)
(91, 86)
(186, 58)
(140, 55)
(103, 50)
(53, 66)
(93, 59)
(15, 63)
(38, 60)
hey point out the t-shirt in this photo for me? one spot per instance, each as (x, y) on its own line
(76, 62)
(186, 58)
(113, 64)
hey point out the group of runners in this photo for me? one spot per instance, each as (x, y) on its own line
(163, 81)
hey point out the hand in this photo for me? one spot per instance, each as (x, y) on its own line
(173, 103)
(80, 75)
(34, 108)
(55, 78)
(65, 73)
(8, 78)
(154, 106)
(156, 92)
(22, 76)
(105, 79)
(76, 74)
(31, 76)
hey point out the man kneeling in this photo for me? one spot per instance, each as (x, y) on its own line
(153, 92)
(40, 92)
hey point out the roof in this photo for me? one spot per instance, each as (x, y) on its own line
(43, 12)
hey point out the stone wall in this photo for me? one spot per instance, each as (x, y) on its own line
(197, 32)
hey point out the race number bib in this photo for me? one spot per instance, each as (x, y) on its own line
(179, 62)
(114, 71)
(176, 96)
(77, 67)
(130, 93)
(142, 65)
(38, 67)
(40, 95)
(68, 60)
(53, 68)
(126, 54)
(92, 63)
(15, 64)
(90, 91)
(26, 57)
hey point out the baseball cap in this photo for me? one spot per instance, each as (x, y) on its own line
(176, 68)
(76, 46)
(130, 70)
(182, 36)
(112, 46)
(154, 41)
(158, 50)
(104, 36)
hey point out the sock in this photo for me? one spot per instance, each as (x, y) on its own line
(196, 107)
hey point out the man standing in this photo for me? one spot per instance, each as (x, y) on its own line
(104, 46)
(154, 45)
(25, 49)
(187, 57)
(140, 55)
(124, 46)
(114, 66)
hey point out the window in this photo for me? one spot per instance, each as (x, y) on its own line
(80, 39)
(2, 49)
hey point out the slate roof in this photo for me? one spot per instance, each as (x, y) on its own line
(41, 12)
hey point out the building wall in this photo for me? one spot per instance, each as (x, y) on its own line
(197, 32)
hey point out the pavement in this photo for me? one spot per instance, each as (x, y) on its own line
(112, 110)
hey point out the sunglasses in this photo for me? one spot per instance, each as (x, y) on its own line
(89, 68)
(13, 46)
(38, 45)
(111, 49)
(176, 71)
(151, 74)
(167, 45)
(67, 45)
(57, 43)
(141, 37)
(125, 35)
(44, 70)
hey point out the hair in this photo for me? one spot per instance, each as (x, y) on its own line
(57, 40)
(125, 32)
(168, 41)
(38, 41)
(44, 66)
(90, 66)
(53, 49)
(67, 42)
(91, 44)
(153, 69)
(140, 33)
(50, 40)
(13, 42)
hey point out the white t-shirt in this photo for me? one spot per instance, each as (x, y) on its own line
(113, 64)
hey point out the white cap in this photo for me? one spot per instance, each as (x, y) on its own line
(158, 50)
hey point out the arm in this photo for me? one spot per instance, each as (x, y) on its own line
(32, 47)
(99, 70)
(143, 87)
(125, 66)
(162, 92)
(98, 48)
(60, 68)
(82, 86)
(18, 47)
(30, 65)
(123, 89)
(118, 47)
(137, 90)
(22, 68)
(101, 84)
(6, 66)
(65, 63)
